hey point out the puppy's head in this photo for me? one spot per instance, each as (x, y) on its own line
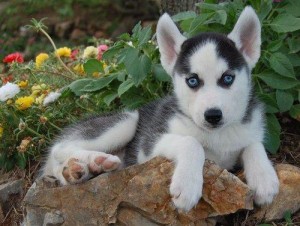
(211, 72)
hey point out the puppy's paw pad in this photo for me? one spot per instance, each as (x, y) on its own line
(104, 163)
(74, 171)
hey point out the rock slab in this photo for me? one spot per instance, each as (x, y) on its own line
(288, 198)
(137, 195)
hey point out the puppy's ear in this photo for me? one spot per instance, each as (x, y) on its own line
(169, 41)
(247, 36)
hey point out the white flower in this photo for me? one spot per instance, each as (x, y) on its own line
(90, 52)
(130, 43)
(9, 90)
(52, 96)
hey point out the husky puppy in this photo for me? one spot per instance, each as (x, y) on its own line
(212, 114)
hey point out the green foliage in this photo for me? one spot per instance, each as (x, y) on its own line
(134, 69)
(276, 76)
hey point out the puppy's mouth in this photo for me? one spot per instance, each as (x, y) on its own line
(211, 127)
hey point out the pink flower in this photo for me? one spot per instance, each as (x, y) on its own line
(101, 50)
(14, 57)
(74, 54)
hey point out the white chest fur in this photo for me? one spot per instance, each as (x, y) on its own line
(221, 145)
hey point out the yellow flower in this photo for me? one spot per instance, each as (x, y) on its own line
(40, 99)
(90, 52)
(63, 52)
(23, 103)
(40, 59)
(23, 84)
(1, 131)
(37, 89)
(79, 68)
(97, 74)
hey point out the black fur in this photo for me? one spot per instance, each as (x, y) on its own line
(225, 47)
(153, 116)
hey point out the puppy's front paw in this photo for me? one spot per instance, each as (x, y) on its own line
(186, 190)
(265, 185)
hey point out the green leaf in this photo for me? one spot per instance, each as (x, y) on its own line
(285, 23)
(294, 59)
(78, 85)
(133, 98)
(264, 10)
(112, 51)
(160, 73)
(137, 66)
(92, 66)
(288, 217)
(21, 161)
(295, 111)
(184, 16)
(98, 84)
(292, 8)
(144, 35)
(284, 100)
(294, 44)
(274, 46)
(125, 86)
(282, 65)
(109, 98)
(221, 16)
(270, 102)
(209, 6)
(197, 22)
(272, 141)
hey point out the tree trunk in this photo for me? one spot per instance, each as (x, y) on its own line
(176, 6)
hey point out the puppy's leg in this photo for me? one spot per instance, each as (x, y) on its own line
(187, 180)
(82, 153)
(260, 174)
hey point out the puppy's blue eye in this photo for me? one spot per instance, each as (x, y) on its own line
(226, 80)
(193, 82)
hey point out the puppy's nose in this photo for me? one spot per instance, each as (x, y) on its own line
(213, 116)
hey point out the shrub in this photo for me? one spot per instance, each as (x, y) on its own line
(128, 74)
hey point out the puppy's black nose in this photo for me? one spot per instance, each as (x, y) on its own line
(213, 116)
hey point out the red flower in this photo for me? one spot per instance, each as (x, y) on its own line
(14, 57)
(7, 79)
(74, 54)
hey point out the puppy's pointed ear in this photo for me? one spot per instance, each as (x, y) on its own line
(169, 41)
(247, 35)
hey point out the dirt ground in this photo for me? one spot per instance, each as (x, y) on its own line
(289, 153)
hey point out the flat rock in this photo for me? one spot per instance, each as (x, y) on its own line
(288, 198)
(137, 195)
(7, 190)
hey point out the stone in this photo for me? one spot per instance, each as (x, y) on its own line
(288, 198)
(10, 188)
(137, 195)
(7, 190)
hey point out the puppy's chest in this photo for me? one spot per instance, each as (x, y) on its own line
(223, 147)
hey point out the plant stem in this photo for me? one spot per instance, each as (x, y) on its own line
(56, 127)
(54, 46)
(35, 133)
